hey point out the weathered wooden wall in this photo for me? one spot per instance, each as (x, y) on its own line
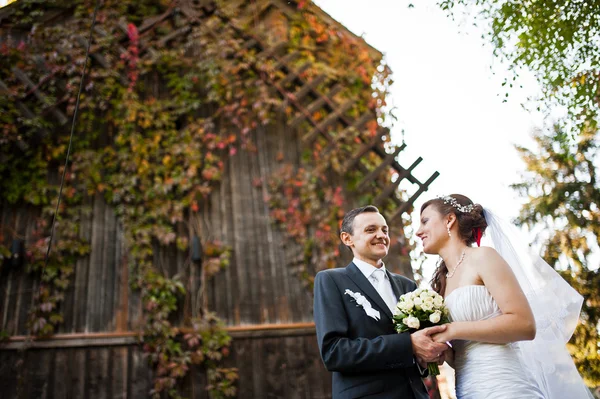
(259, 296)
(258, 288)
(277, 365)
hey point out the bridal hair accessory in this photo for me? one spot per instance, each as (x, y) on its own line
(452, 201)
(366, 305)
(477, 235)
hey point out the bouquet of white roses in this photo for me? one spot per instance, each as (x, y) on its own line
(420, 309)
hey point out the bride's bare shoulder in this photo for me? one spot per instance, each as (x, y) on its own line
(485, 253)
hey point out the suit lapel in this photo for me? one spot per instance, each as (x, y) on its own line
(367, 288)
(396, 287)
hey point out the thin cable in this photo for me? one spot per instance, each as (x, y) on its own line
(62, 181)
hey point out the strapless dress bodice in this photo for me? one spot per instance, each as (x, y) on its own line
(484, 370)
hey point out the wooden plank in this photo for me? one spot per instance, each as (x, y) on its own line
(78, 366)
(311, 108)
(285, 60)
(229, 305)
(122, 282)
(240, 248)
(94, 298)
(252, 269)
(294, 367)
(405, 206)
(308, 87)
(331, 118)
(58, 115)
(62, 387)
(258, 379)
(276, 379)
(266, 156)
(295, 75)
(140, 381)
(5, 272)
(107, 266)
(9, 374)
(36, 368)
(260, 219)
(28, 288)
(271, 51)
(355, 159)
(173, 35)
(97, 372)
(242, 358)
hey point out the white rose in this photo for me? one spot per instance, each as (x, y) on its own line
(435, 317)
(411, 322)
(418, 301)
(408, 304)
(418, 291)
(438, 301)
(397, 311)
(427, 306)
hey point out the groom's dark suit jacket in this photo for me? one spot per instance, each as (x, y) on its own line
(367, 357)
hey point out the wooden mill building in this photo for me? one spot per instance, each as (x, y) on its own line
(321, 124)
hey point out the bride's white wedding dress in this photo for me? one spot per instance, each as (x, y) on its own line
(542, 368)
(483, 370)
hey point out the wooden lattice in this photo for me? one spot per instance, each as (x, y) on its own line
(306, 96)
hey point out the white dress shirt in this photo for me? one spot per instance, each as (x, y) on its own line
(368, 270)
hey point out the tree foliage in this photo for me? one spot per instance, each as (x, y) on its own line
(555, 39)
(558, 41)
(563, 193)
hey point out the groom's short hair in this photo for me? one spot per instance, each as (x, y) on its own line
(348, 222)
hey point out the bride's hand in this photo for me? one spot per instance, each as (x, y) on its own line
(444, 336)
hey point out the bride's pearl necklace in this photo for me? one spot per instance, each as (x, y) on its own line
(462, 256)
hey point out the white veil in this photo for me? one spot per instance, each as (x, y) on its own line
(555, 305)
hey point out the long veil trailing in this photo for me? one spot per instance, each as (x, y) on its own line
(555, 305)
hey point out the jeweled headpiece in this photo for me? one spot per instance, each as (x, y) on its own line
(454, 203)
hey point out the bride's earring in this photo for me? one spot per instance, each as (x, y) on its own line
(449, 234)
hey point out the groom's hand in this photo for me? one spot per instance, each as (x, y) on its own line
(424, 347)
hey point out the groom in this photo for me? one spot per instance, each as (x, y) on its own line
(353, 315)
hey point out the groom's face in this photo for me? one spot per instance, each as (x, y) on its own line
(370, 240)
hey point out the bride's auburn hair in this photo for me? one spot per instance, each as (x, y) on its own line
(468, 222)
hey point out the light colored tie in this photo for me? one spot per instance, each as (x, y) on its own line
(384, 289)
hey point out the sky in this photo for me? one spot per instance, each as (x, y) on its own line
(449, 101)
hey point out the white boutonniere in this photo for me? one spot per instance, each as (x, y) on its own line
(366, 305)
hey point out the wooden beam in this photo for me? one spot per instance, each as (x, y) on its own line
(60, 117)
(364, 149)
(387, 191)
(377, 171)
(331, 118)
(422, 188)
(76, 340)
(291, 77)
(312, 107)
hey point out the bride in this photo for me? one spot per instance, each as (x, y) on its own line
(511, 313)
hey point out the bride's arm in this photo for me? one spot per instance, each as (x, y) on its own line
(516, 323)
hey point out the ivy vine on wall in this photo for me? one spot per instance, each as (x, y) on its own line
(154, 131)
